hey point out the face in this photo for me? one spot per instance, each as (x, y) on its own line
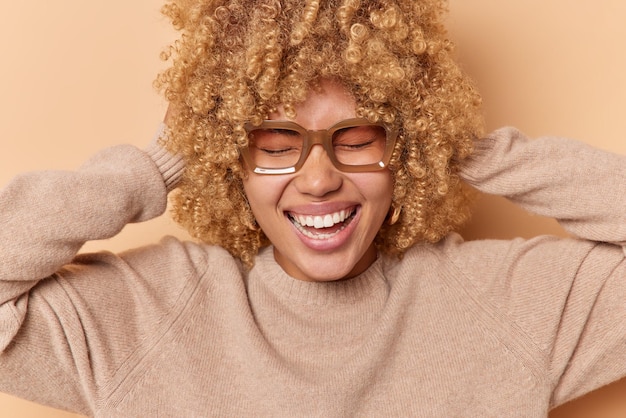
(345, 209)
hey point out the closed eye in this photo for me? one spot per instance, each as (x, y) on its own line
(357, 145)
(273, 151)
(275, 141)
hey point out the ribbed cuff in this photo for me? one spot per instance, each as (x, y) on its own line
(481, 163)
(170, 166)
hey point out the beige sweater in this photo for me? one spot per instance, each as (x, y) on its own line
(179, 329)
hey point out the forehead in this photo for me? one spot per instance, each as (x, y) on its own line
(323, 107)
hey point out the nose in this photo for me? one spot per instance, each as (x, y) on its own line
(318, 176)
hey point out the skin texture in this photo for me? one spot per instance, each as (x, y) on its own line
(318, 188)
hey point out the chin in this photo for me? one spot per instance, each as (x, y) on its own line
(319, 267)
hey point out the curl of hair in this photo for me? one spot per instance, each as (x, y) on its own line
(237, 60)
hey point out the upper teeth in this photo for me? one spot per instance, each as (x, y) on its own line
(323, 221)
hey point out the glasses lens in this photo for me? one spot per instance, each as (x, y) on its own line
(275, 148)
(360, 145)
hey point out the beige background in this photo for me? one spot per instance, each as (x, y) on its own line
(76, 76)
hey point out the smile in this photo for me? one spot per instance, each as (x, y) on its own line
(322, 226)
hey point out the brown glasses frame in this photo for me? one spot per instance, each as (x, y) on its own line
(322, 137)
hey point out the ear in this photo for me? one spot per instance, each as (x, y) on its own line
(394, 214)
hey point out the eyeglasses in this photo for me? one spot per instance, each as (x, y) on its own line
(353, 145)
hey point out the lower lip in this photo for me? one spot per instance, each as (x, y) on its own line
(330, 243)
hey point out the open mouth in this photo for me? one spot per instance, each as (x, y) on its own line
(322, 226)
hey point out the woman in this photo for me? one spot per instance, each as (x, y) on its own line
(332, 284)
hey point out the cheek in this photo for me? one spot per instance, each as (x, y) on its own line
(377, 187)
(263, 193)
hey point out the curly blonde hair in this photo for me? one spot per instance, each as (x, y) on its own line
(237, 60)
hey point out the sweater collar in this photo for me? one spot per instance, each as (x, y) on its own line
(269, 272)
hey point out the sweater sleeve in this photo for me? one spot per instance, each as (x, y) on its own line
(48, 331)
(581, 187)
(569, 296)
